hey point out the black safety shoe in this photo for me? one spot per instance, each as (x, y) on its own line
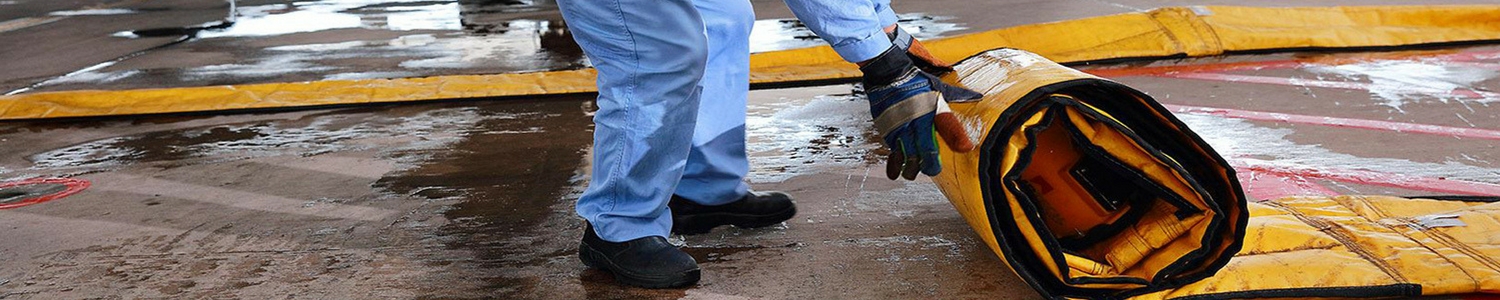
(754, 210)
(648, 262)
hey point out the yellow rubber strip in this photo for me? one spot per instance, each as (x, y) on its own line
(1172, 31)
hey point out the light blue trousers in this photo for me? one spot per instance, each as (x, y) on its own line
(673, 77)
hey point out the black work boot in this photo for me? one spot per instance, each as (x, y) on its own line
(754, 210)
(648, 262)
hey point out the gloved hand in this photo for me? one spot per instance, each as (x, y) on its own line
(917, 52)
(910, 108)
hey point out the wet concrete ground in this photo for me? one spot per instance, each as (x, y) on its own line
(88, 44)
(474, 199)
(276, 41)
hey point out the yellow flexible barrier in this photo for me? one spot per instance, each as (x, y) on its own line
(1360, 247)
(1089, 189)
(1164, 32)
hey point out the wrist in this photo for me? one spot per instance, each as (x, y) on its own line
(888, 31)
(886, 68)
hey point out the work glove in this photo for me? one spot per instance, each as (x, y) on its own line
(918, 53)
(910, 108)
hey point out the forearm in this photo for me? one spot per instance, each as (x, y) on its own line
(855, 28)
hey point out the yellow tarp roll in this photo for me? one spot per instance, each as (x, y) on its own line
(1090, 189)
(1163, 32)
(1087, 188)
(1360, 247)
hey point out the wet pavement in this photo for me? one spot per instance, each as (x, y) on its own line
(469, 199)
(363, 39)
(473, 199)
(51, 46)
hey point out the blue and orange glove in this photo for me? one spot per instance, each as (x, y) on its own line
(918, 53)
(910, 108)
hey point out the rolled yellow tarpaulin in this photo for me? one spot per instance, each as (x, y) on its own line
(1085, 187)
(1360, 247)
(1090, 189)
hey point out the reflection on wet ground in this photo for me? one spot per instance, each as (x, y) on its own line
(361, 39)
(790, 136)
(92, 12)
(500, 178)
(306, 137)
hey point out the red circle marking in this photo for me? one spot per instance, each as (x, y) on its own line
(74, 186)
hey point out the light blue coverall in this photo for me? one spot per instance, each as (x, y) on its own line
(673, 78)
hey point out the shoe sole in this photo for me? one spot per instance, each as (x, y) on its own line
(595, 259)
(703, 223)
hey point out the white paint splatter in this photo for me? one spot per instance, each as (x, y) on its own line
(1398, 82)
(1239, 140)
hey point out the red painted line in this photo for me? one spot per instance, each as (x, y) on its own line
(1348, 85)
(1262, 186)
(1469, 56)
(1440, 185)
(74, 186)
(1459, 132)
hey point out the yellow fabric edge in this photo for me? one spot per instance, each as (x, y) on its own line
(1171, 31)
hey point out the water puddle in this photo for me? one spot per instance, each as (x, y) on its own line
(724, 253)
(317, 135)
(495, 181)
(507, 192)
(311, 16)
(903, 249)
(522, 46)
(369, 39)
(791, 137)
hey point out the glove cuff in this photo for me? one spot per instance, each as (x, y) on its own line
(885, 69)
(901, 39)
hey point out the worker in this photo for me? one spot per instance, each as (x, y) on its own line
(669, 135)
